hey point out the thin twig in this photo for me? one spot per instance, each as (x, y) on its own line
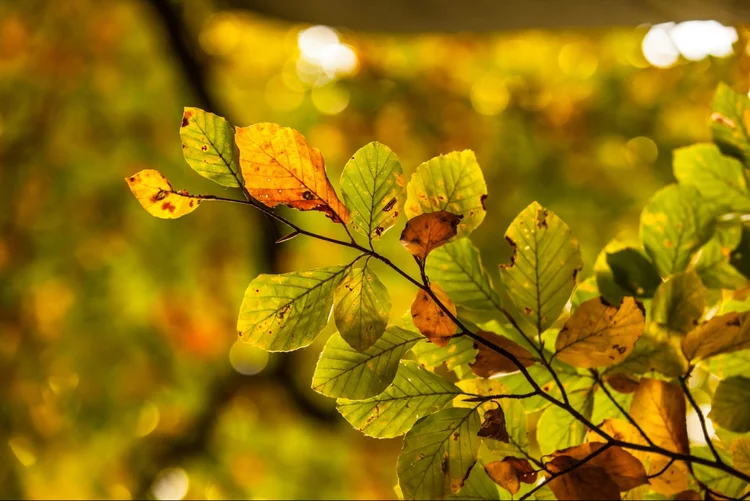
(627, 415)
(701, 418)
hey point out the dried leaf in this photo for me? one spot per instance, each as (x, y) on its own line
(158, 197)
(621, 383)
(722, 334)
(624, 468)
(280, 168)
(510, 472)
(688, 495)
(489, 362)
(599, 334)
(583, 483)
(494, 425)
(430, 319)
(429, 231)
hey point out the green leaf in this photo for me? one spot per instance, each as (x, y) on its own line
(730, 365)
(679, 302)
(460, 350)
(287, 312)
(633, 272)
(712, 261)
(457, 267)
(715, 479)
(438, 454)
(415, 392)
(604, 408)
(362, 308)
(343, 372)
(719, 179)
(208, 147)
(730, 122)
(674, 224)
(605, 278)
(557, 429)
(544, 266)
(730, 407)
(452, 182)
(518, 384)
(373, 188)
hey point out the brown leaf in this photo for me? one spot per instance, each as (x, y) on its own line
(494, 425)
(280, 168)
(723, 334)
(430, 319)
(621, 383)
(624, 469)
(510, 472)
(489, 362)
(688, 495)
(599, 334)
(157, 196)
(659, 409)
(429, 231)
(583, 483)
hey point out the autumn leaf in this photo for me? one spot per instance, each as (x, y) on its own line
(429, 231)
(599, 334)
(621, 466)
(688, 495)
(510, 472)
(621, 383)
(279, 167)
(741, 454)
(209, 148)
(157, 196)
(729, 407)
(493, 425)
(430, 319)
(723, 334)
(489, 362)
(583, 483)
(730, 122)
(659, 409)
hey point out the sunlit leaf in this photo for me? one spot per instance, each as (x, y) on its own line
(458, 351)
(457, 267)
(674, 224)
(730, 122)
(372, 185)
(438, 454)
(156, 195)
(479, 487)
(604, 407)
(688, 495)
(730, 406)
(679, 302)
(510, 472)
(343, 372)
(490, 363)
(278, 167)
(599, 334)
(208, 147)
(544, 266)
(717, 480)
(430, 319)
(429, 231)
(659, 409)
(719, 179)
(657, 350)
(415, 392)
(452, 182)
(712, 262)
(362, 308)
(558, 429)
(584, 482)
(722, 334)
(633, 272)
(287, 312)
(741, 454)
(624, 469)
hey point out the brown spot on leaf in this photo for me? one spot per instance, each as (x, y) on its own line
(204, 148)
(167, 206)
(308, 195)
(186, 119)
(391, 203)
(482, 199)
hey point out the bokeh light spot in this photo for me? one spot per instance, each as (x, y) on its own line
(331, 99)
(171, 483)
(148, 419)
(490, 95)
(694, 430)
(247, 359)
(281, 97)
(658, 48)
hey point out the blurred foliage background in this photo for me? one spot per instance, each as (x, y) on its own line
(120, 373)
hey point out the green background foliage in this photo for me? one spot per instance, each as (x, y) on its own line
(118, 331)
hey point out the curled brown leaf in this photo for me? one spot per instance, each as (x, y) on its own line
(429, 231)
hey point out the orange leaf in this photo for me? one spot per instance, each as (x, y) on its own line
(280, 168)
(429, 231)
(489, 362)
(625, 470)
(157, 196)
(494, 425)
(510, 472)
(430, 319)
(583, 483)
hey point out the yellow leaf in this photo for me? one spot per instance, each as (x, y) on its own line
(430, 319)
(622, 467)
(741, 454)
(429, 231)
(723, 334)
(489, 362)
(659, 409)
(583, 483)
(158, 197)
(510, 472)
(280, 168)
(599, 334)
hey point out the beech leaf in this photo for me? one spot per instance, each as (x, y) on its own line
(279, 167)
(730, 122)
(362, 308)
(490, 363)
(599, 334)
(624, 468)
(156, 195)
(510, 472)
(583, 483)
(723, 334)
(678, 302)
(729, 405)
(208, 147)
(493, 425)
(430, 319)
(429, 231)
